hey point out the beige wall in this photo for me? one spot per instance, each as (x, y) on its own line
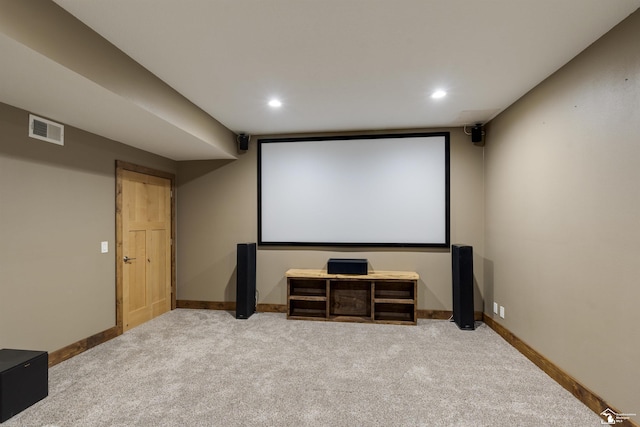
(57, 203)
(218, 208)
(563, 217)
(53, 32)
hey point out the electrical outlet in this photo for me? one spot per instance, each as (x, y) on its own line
(502, 312)
(104, 247)
(495, 308)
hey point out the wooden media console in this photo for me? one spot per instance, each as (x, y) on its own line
(379, 297)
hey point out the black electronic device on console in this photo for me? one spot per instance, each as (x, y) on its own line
(347, 266)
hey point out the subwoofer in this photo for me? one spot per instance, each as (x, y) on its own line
(246, 280)
(462, 274)
(24, 380)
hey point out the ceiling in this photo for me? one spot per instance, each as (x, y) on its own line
(336, 65)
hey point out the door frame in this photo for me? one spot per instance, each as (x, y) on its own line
(120, 167)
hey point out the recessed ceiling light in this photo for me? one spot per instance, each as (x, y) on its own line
(439, 94)
(275, 103)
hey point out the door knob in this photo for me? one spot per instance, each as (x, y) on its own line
(127, 259)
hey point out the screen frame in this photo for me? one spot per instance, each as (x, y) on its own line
(445, 244)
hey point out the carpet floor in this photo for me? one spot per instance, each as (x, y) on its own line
(205, 368)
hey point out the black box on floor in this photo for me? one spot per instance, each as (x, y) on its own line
(24, 380)
(347, 266)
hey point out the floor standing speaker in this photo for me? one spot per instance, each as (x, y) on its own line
(462, 265)
(246, 281)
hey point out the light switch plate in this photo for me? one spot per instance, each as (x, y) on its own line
(104, 247)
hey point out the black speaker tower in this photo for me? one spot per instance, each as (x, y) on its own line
(246, 281)
(462, 266)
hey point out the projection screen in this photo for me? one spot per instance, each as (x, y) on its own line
(364, 190)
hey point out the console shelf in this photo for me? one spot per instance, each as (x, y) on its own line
(378, 297)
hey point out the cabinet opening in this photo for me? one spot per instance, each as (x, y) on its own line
(350, 298)
(307, 288)
(394, 290)
(394, 312)
(307, 308)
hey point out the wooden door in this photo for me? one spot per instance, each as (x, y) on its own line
(146, 247)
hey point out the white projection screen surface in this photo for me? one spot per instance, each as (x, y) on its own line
(369, 190)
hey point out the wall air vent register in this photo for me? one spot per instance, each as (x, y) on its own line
(46, 130)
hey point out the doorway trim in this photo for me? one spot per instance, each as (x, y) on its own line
(120, 167)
